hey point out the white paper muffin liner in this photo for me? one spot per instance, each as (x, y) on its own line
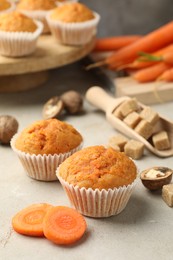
(39, 15)
(97, 203)
(17, 44)
(10, 9)
(41, 167)
(73, 33)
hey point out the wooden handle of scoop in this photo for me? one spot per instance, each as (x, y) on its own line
(99, 98)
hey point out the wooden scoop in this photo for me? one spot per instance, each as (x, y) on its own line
(99, 98)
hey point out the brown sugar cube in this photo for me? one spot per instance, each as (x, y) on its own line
(117, 113)
(149, 115)
(132, 119)
(118, 140)
(144, 129)
(167, 194)
(134, 149)
(161, 140)
(114, 146)
(129, 106)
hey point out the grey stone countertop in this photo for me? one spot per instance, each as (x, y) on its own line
(142, 231)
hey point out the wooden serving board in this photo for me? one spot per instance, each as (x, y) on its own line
(49, 54)
(20, 74)
(146, 93)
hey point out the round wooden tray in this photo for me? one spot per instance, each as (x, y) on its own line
(49, 54)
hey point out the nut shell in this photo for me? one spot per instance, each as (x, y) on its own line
(52, 108)
(158, 182)
(8, 127)
(73, 101)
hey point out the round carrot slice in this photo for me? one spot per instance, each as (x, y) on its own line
(63, 225)
(29, 221)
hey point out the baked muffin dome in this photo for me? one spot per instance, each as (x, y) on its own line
(72, 13)
(98, 167)
(16, 22)
(32, 5)
(50, 136)
(4, 5)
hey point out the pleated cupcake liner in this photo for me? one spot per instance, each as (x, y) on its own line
(18, 44)
(98, 203)
(73, 33)
(41, 167)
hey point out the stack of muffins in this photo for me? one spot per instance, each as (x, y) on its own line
(70, 22)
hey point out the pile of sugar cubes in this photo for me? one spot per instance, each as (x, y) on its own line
(143, 121)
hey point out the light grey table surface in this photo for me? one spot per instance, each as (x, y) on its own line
(142, 231)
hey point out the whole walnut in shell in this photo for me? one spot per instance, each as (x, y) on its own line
(8, 127)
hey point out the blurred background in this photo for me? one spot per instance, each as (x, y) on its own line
(130, 16)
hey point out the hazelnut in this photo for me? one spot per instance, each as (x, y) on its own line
(8, 127)
(154, 178)
(53, 107)
(73, 101)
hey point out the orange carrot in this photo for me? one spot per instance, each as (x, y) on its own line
(166, 57)
(151, 73)
(63, 225)
(139, 64)
(167, 75)
(149, 43)
(114, 43)
(29, 221)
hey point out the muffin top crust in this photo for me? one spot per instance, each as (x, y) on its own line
(50, 136)
(98, 167)
(4, 5)
(16, 22)
(72, 13)
(32, 5)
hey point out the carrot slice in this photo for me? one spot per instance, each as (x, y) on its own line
(63, 225)
(29, 221)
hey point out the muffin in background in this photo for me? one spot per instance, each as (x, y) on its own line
(6, 6)
(98, 181)
(37, 9)
(43, 145)
(73, 23)
(18, 34)
(62, 2)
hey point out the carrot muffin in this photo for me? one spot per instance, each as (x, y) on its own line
(6, 6)
(37, 9)
(43, 145)
(73, 23)
(98, 180)
(18, 34)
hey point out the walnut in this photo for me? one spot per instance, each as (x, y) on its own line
(52, 108)
(73, 101)
(8, 127)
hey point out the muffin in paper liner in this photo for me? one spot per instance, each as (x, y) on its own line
(18, 44)
(78, 33)
(39, 15)
(41, 167)
(98, 203)
(10, 9)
